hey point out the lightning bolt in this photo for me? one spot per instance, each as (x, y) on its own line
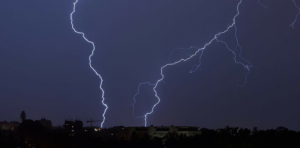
(184, 50)
(292, 25)
(215, 38)
(262, 4)
(134, 100)
(247, 67)
(90, 61)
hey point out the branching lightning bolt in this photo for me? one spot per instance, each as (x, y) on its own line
(90, 61)
(134, 100)
(247, 67)
(195, 67)
(296, 18)
(184, 50)
(215, 38)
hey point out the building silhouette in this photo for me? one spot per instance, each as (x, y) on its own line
(153, 131)
(13, 125)
(22, 116)
(46, 123)
(73, 127)
(9, 125)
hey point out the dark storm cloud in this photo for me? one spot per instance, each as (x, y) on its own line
(44, 64)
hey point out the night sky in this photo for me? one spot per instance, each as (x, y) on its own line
(45, 67)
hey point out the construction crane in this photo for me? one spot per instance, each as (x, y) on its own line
(88, 121)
